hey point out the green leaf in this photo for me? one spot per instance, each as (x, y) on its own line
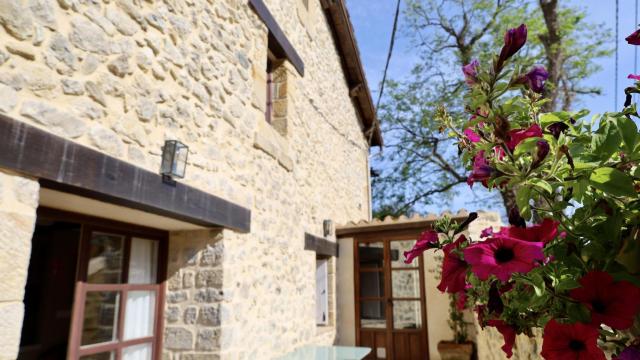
(612, 181)
(605, 141)
(539, 183)
(635, 280)
(629, 131)
(578, 312)
(525, 146)
(548, 119)
(567, 283)
(523, 194)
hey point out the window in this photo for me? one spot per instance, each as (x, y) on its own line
(322, 291)
(119, 296)
(276, 91)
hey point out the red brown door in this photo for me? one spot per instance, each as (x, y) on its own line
(118, 298)
(390, 299)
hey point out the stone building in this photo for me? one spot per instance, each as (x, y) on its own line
(103, 257)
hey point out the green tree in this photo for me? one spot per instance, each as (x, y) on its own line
(420, 165)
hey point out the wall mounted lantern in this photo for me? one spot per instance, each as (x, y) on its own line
(174, 160)
(327, 226)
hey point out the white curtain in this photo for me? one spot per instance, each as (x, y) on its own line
(139, 316)
(137, 352)
(140, 311)
(143, 261)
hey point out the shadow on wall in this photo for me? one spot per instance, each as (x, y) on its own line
(194, 294)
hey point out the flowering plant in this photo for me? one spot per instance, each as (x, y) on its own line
(570, 260)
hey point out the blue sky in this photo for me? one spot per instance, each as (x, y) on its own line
(373, 20)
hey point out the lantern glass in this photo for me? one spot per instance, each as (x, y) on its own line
(174, 159)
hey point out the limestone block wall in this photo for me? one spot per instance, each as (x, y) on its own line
(121, 76)
(18, 202)
(192, 314)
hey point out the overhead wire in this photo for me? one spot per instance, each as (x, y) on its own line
(386, 68)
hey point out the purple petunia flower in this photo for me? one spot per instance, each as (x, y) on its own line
(470, 72)
(514, 40)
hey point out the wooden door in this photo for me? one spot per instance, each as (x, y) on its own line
(390, 299)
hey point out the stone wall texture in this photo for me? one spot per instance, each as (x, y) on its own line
(121, 76)
(18, 203)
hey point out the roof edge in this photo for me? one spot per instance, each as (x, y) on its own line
(340, 23)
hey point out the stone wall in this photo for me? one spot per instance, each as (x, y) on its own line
(122, 76)
(18, 202)
(192, 314)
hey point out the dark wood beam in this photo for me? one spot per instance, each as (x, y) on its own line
(276, 35)
(67, 166)
(320, 245)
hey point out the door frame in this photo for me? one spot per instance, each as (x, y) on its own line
(386, 237)
(91, 223)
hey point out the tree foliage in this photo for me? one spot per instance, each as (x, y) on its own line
(420, 165)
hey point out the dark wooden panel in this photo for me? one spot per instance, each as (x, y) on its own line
(64, 165)
(320, 245)
(401, 347)
(276, 34)
(381, 342)
(416, 346)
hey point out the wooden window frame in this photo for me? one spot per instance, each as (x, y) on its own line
(90, 224)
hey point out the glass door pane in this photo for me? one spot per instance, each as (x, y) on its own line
(139, 314)
(137, 352)
(371, 284)
(373, 314)
(371, 254)
(105, 258)
(407, 314)
(100, 320)
(396, 252)
(101, 356)
(143, 261)
(405, 283)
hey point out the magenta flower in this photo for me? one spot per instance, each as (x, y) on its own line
(508, 333)
(470, 72)
(486, 232)
(502, 256)
(472, 135)
(481, 171)
(461, 300)
(518, 135)
(634, 38)
(543, 232)
(427, 240)
(454, 270)
(514, 40)
(542, 149)
(634, 77)
(536, 77)
(613, 303)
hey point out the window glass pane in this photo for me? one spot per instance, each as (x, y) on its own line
(100, 317)
(372, 314)
(143, 261)
(322, 299)
(405, 283)
(371, 284)
(407, 315)
(140, 314)
(371, 255)
(397, 249)
(101, 356)
(105, 258)
(137, 352)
